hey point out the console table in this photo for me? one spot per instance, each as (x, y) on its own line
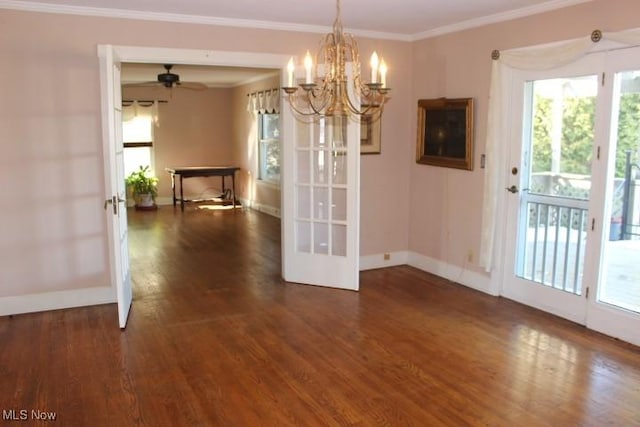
(202, 171)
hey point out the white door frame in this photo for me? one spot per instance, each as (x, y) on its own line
(125, 54)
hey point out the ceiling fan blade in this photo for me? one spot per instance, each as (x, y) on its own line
(191, 85)
(142, 84)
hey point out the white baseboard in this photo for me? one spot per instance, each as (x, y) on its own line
(106, 295)
(269, 210)
(371, 262)
(56, 300)
(454, 273)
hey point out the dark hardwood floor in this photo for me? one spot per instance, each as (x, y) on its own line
(215, 338)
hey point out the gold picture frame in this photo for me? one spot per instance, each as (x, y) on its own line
(370, 133)
(445, 133)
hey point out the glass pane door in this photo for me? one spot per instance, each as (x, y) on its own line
(559, 126)
(321, 187)
(320, 199)
(620, 283)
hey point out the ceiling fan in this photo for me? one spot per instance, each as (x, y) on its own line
(170, 80)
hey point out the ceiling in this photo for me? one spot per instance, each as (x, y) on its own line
(387, 19)
(220, 77)
(399, 19)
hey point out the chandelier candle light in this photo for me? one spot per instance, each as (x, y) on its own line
(328, 94)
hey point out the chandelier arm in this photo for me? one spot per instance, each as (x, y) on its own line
(351, 105)
(300, 112)
(377, 109)
(323, 93)
(365, 93)
(293, 100)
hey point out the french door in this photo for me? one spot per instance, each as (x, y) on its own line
(320, 197)
(569, 126)
(115, 181)
(321, 201)
(615, 264)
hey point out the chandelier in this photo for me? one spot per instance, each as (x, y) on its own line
(325, 91)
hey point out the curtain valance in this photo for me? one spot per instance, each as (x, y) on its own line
(264, 101)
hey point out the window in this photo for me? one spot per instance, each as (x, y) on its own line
(137, 136)
(269, 148)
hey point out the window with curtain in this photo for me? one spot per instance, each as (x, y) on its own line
(269, 148)
(264, 105)
(137, 135)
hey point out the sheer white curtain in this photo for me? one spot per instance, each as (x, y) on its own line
(535, 58)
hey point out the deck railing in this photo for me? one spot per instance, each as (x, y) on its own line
(553, 238)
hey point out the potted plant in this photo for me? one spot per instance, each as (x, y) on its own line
(144, 187)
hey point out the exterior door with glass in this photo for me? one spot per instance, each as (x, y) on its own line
(573, 206)
(615, 308)
(549, 192)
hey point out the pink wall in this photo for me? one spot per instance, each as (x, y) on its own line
(54, 234)
(51, 138)
(195, 130)
(446, 204)
(265, 196)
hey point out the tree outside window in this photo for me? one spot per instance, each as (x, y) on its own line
(269, 148)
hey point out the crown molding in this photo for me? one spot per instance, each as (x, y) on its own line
(282, 26)
(29, 6)
(498, 17)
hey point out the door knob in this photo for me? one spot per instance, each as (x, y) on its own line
(512, 189)
(114, 202)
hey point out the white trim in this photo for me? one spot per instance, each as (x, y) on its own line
(282, 26)
(269, 210)
(188, 19)
(454, 273)
(56, 300)
(496, 18)
(154, 55)
(371, 262)
(606, 320)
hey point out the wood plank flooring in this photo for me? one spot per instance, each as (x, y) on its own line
(215, 338)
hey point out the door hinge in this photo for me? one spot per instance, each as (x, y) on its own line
(586, 293)
(598, 153)
(593, 224)
(603, 78)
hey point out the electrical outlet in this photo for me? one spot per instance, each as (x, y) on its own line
(470, 255)
(387, 257)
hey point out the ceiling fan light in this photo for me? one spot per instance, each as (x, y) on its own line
(168, 79)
